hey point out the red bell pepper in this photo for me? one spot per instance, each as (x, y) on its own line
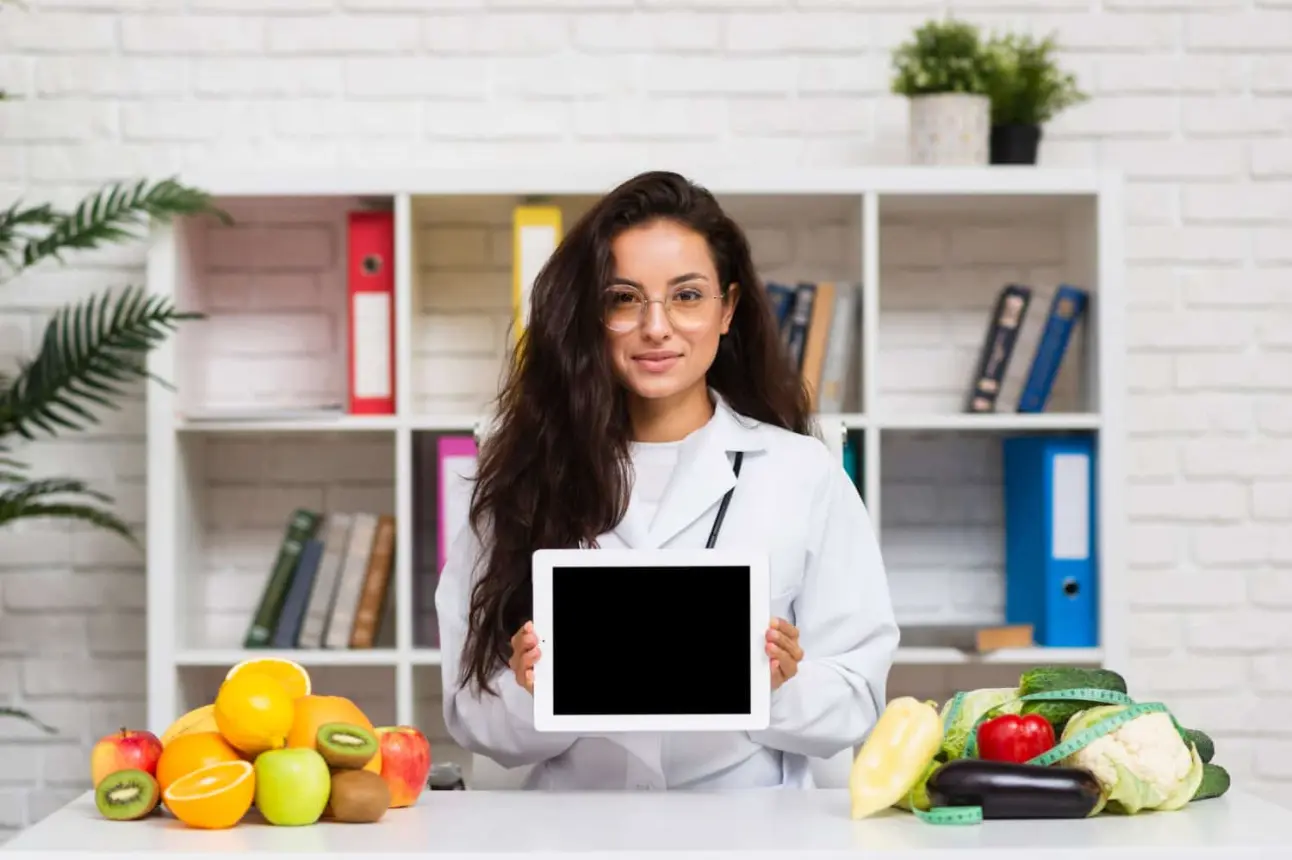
(1015, 738)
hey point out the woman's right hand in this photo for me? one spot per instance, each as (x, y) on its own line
(524, 654)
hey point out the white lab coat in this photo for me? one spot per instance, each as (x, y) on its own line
(794, 500)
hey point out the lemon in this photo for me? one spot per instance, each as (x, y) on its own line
(254, 712)
(197, 720)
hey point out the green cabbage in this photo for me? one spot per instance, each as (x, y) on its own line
(1141, 765)
(975, 704)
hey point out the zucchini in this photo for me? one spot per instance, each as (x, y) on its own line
(1215, 782)
(1206, 746)
(1048, 679)
(1011, 790)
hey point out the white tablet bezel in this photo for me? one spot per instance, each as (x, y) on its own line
(759, 611)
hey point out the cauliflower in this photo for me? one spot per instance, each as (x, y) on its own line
(1144, 764)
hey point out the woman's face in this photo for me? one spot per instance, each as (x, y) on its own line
(657, 354)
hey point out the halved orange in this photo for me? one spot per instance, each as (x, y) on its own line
(289, 673)
(214, 797)
(191, 752)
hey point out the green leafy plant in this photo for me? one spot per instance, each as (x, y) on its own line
(942, 56)
(1024, 80)
(89, 351)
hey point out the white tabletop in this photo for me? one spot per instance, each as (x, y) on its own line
(492, 825)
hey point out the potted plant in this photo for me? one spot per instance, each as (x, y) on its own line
(941, 71)
(1027, 88)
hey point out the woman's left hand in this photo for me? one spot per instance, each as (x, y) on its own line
(783, 648)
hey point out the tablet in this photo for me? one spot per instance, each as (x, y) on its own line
(651, 640)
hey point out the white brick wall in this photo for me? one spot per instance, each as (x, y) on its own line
(1193, 101)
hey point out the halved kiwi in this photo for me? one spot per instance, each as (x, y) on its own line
(358, 796)
(346, 746)
(127, 795)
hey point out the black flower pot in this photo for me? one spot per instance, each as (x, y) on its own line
(1015, 144)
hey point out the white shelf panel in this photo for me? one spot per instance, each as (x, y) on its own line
(466, 422)
(1020, 656)
(320, 424)
(721, 179)
(453, 423)
(425, 657)
(306, 657)
(992, 421)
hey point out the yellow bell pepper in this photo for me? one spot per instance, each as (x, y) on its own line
(894, 756)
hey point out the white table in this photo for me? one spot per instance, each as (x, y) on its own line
(758, 825)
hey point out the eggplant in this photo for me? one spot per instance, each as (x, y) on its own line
(1013, 790)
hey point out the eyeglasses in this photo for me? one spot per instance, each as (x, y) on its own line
(686, 307)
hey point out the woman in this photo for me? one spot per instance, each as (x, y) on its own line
(651, 344)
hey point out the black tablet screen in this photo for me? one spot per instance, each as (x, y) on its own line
(650, 640)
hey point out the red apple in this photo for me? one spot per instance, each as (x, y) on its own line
(128, 748)
(405, 762)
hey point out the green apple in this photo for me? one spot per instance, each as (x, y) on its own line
(292, 785)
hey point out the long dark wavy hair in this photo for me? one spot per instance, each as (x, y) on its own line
(554, 471)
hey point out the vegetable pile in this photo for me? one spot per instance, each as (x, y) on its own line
(1067, 742)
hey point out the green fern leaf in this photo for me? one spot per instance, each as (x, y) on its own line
(114, 213)
(19, 713)
(27, 502)
(88, 353)
(16, 223)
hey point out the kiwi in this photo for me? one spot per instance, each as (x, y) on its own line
(127, 795)
(345, 745)
(358, 796)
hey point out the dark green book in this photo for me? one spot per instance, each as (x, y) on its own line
(301, 527)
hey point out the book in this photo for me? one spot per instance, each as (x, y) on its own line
(301, 527)
(998, 345)
(1066, 308)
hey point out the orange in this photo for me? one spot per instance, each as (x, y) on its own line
(254, 712)
(289, 673)
(191, 752)
(313, 711)
(213, 797)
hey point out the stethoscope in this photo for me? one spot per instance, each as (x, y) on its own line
(726, 500)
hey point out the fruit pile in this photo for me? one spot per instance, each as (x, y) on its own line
(267, 740)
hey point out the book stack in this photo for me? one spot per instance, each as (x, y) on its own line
(328, 585)
(820, 329)
(1004, 335)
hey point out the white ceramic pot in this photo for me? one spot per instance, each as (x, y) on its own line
(950, 129)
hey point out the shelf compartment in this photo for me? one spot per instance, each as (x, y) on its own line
(273, 289)
(236, 494)
(427, 529)
(461, 277)
(943, 259)
(942, 535)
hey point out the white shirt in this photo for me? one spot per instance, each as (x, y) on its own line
(653, 465)
(690, 759)
(795, 502)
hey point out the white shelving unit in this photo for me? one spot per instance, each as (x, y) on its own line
(929, 247)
